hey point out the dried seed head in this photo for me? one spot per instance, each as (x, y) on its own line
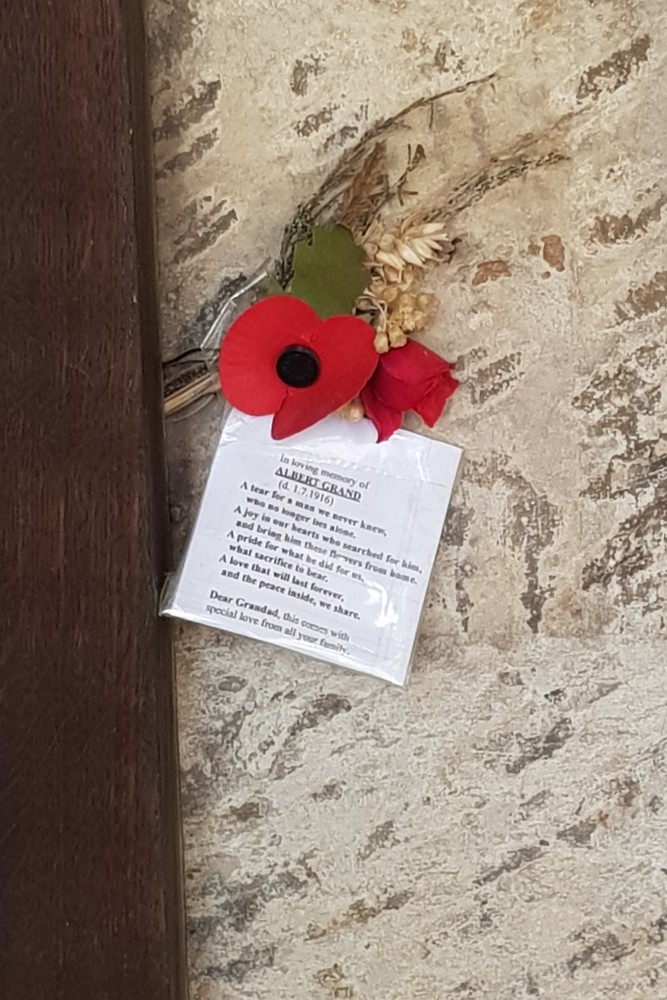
(381, 342)
(412, 243)
(413, 312)
(352, 411)
(395, 257)
(396, 335)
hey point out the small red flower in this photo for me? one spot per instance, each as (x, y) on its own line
(279, 357)
(407, 378)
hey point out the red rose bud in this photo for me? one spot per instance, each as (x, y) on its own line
(407, 378)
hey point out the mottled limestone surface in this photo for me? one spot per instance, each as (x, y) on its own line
(499, 828)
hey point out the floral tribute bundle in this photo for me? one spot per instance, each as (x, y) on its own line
(333, 329)
(336, 333)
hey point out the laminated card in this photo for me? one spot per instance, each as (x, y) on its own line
(322, 544)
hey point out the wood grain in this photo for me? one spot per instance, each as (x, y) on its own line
(89, 825)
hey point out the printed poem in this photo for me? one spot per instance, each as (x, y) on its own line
(322, 544)
(301, 553)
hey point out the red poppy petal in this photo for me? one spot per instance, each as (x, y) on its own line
(432, 403)
(293, 416)
(385, 419)
(251, 347)
(344, 347)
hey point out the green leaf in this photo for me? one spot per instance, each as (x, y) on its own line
(271, 287)
(328, 273)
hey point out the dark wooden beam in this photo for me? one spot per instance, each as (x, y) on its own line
(90, 898)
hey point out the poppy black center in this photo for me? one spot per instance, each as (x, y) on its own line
(298, 366)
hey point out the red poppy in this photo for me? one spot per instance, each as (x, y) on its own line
(279, 357)
(407, 378)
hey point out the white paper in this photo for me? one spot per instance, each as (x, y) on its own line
(323, 543)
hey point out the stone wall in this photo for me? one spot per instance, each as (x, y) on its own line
(498, 829)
